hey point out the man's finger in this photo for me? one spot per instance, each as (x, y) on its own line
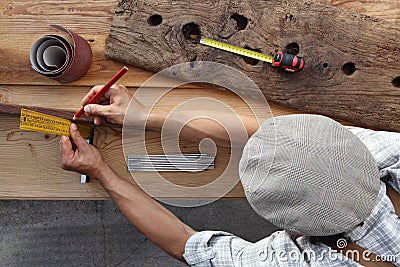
(97, 110)
(114, 90)
(97, 120)
(77, 138)
(91, 93)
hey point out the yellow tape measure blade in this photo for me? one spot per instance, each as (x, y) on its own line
(40, 122)
(236, 49)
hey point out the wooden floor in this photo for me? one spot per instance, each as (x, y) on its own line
(29, 162)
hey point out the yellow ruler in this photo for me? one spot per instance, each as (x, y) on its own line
(236, 49)
(40, 122)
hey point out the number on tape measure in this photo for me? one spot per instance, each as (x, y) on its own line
(40, 122)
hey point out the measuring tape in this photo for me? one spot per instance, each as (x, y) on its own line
(40, 122)
(286, 61)
(236, 49)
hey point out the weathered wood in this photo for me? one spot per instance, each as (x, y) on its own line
(383, 9)
(334, 42)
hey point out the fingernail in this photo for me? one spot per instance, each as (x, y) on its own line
(86, 109)
(63, 138)
(73, 127)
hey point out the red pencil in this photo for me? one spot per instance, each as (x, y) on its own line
(103, 90)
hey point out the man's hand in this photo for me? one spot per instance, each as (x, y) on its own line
(85, 159)
(141, 210)
(113, 105)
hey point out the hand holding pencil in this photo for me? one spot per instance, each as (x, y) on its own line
(111, 106)
(99, 93)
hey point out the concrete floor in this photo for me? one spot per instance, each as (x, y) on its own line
(95, 233)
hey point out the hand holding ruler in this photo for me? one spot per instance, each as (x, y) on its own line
(40, 122)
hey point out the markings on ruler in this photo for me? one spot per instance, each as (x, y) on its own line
(40, 122)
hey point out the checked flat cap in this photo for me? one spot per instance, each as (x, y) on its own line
(310, 175)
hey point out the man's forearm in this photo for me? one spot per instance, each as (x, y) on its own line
(225, 128)
(156, 222)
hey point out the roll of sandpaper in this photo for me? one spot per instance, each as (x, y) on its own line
(63, 60)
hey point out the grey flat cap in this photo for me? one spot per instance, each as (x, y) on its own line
(309, 174)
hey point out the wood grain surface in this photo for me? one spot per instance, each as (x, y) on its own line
(30, 166)
(383, 9)
(351, 59)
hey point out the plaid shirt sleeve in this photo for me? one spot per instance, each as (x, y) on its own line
(215, 248)
(380, 232)
(385, 147)
(221, 249)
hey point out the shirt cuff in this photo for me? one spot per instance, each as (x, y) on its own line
(197, 249)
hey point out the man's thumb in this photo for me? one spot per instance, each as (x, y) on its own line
(77, 137)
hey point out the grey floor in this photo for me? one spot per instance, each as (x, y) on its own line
(95, 233)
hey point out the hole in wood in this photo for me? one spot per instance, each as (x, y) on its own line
(293, 48)
(241, 21)
(154, 20)
(325, 65)
(191, 32)
(396, 81)
(290, 17)
(249, 60)
(349, 68)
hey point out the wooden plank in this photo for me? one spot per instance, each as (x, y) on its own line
(16, 68)
(68, 98)
(22, 22)
(40, 151)
(31, 165)
(351, 59)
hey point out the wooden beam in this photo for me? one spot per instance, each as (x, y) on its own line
(39, 152)
(31, 165)
(351, 59)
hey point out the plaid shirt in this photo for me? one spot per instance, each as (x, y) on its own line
(380, 232)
